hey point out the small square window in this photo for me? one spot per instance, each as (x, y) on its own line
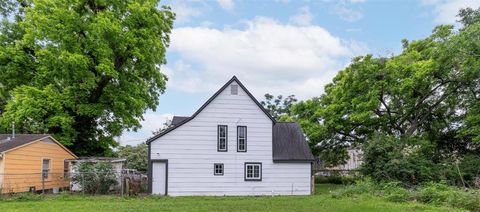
(218, 169)
(234, 89)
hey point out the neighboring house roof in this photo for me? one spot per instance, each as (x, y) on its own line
(7, 142)
(178, 119)
(289, 143)
(234, 79)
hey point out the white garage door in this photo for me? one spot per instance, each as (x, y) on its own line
(159, 178)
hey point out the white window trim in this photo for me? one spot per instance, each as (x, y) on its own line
(48, 170)
(244, 139)
(253, 165)
(215, 169)
(226, 138)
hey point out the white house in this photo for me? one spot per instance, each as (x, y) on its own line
(230, 146)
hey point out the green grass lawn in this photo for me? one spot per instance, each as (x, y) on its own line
(321, 201)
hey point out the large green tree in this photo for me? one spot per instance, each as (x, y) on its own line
(279, 107)
(83, 70)
(430, 90)
(137, 156)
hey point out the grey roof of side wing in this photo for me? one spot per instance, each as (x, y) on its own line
(178, 119)
(234, 78)
(289, 143)
(19, 140)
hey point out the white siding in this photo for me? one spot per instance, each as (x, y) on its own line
(191, 151)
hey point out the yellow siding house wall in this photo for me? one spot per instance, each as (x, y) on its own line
(22, 167)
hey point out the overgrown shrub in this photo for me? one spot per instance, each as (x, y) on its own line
(335, 179)
(407, 160)
(429, 193)
(95, 177)
(414, 161)
(442, 194)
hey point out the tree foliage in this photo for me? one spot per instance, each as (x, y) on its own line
(83, 70)
(279, 107)
(137, 156)
(429, 91)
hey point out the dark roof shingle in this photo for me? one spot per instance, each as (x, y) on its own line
(178, 119)
(19, 140)
(289, 143)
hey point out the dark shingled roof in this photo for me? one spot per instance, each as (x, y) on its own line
(178, 119)
(289, 143)
(19, 140)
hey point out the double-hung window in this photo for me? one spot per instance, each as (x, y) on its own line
(218, 169)
(66, 169)
(253, 171)
(241, 138)
(45, 168)
(222, 138)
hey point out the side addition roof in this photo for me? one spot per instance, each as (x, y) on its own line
(187, 119)
(289, 143)
(178, 119)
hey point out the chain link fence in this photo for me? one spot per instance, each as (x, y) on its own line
(126, 182)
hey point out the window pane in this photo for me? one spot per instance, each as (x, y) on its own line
(256, 171)
(241, 132)
(46, 164)
(222, 131)
(222, 144)
(249, 171)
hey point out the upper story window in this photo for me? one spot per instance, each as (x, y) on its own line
(218, 169)
(241, 138)
(234, 89)
(222, 138)
(253, 171)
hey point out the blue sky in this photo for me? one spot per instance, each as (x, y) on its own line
(280, 46)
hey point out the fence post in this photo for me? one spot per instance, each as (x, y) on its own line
(83, 184)
(121, 182)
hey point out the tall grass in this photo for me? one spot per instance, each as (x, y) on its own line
(438, 194)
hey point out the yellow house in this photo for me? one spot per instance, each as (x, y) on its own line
(32, 162)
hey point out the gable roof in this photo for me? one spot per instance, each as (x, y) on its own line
(187, 119)
(289, 143)
(7, 143)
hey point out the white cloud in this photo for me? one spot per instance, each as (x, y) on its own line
(226, 4)
(347, 13)
(186, 10)
(266, 55)
(445, 11)
(152, 121)
(348, 10)
(303, 17)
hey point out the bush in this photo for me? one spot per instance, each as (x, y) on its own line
(407, 160)
(429, 193)
(335, 179)
(442, 194)
(95, 178)
(137, 156)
